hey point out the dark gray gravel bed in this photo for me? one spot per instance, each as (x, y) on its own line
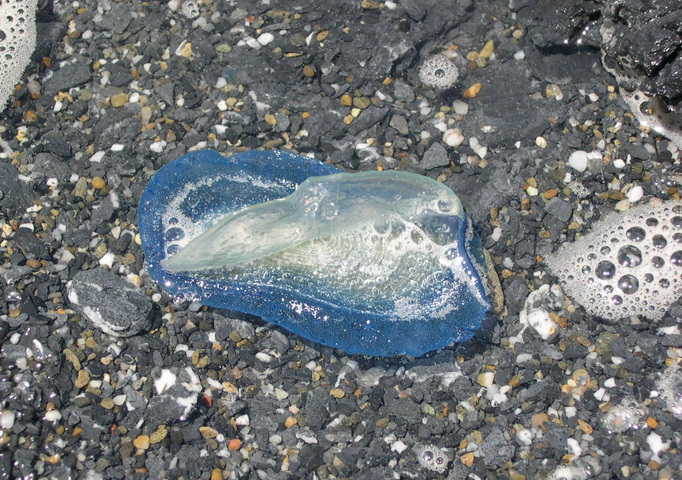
(126, 382)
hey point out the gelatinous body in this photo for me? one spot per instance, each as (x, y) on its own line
(380, 263)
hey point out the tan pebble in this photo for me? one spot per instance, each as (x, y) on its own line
(472, 56)
(361, 102)
(119, 99)
(83, 379)
(538, 419)
(467, 459)
(186, 50)
(551, 193)
(290, 422)
(33, 263)
(98, 183)
(208, 432)
(651, 422)
(270, 119)
(553, 90)
(142, 442)
(486, 379)
(91, 343)
(73, 358)
(217, 474)
(348, 119)
(107, 403)
(472, 91)
(322, 36)
(585, 427)
(337, 393)
(158, 435)
(487, 50)
(309, 71)
(346, 100)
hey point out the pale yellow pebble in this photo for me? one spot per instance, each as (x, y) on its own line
(208, 432)
(98, 183)
(142, 442)
(186, 50)
(337, 393)
(82, 380)
(487, 50)
(119, 99)
(158, 435)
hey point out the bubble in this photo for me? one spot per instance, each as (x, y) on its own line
(417, 237)
(629, 256)
(451, 253)
(676, 258)
(605, 250)
(676, 221)
(657, 261)
(678, 237)
(592, 257)
(664, 283)
(174, 234)
(173, 221)
(629, 414)
(608, 289)
(605, 270)
(636, 234)
(444, 206)
(382, 226)
(670, 387)
(649, 277)
(173, 249)
(617, 300)
(651, 222)
(659, 241)
(586, 269)
(628, 284)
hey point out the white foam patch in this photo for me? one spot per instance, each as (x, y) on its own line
(629, 264)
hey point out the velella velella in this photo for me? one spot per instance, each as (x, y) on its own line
(377, 263)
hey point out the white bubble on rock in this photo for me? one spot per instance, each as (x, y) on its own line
(431, 457)
(438, 72)
(17, 42)
(629, 414)
(629, 264)
(669, 387)
(535, 312)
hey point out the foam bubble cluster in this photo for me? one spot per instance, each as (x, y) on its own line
(431, 457)
(438, 72)
(630, 264)
(17, 41)
(670, 388)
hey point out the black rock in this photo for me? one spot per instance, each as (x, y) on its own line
(69, 76)
(110, 303)
(435, 156)
(15, 195)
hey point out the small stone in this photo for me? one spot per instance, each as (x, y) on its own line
(467, 459)
(453, 137)
(142, 442)
(290, 422)
(107, 403)
(158, 435)
(270, 119)
(98, 183)
(361, 102)
(578, 160)
(281, 394)
(33, 263)
(472, 91)
(383, 422)
(487, 50)
(217, 474)
(208, 432)
(309, 71)
(337, 393)
(435, 156)
(538, 419)
(346, 100)
(119, 99)
(234, 444)
(400, 124)
(265, 38)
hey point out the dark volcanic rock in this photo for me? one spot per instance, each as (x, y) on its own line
(111, 304)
